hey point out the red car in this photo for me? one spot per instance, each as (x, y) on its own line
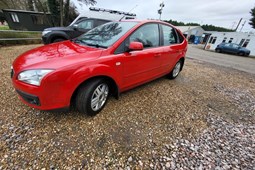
(108, 59)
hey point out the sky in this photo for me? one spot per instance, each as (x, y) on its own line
(224, 13)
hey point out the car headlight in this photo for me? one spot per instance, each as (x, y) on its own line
(45, 32)
(33, 77)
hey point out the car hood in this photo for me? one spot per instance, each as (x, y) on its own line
(245, 49)
(55, 55)
(59, 29)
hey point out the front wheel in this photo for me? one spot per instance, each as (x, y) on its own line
(218, 50)
(176, 70)
(92, 97)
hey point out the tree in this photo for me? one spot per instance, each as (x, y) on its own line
(252, 20)
(64, 9)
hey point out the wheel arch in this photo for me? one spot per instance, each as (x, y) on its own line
(56, 35)
(114, 89)
(182, 59)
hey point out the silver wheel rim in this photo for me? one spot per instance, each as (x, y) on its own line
(99, 97)
(177, 69)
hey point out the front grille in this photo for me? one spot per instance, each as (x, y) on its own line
(29, 98)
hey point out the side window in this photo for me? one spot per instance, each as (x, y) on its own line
(147, 34)
(230, 41)
(14, 17)
(87, 24)
(214, 40)
(227, 45)
(241, 42)
(224, 40)
(169, 35)
(235, 46)
(100, 22)
(246, 42)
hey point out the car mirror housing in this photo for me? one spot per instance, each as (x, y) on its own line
(135, 46)
(75, 26)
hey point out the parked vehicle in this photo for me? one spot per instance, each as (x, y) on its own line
(232, 48)
(83, 23)
(109, 59)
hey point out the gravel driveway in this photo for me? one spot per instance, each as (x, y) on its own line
(204, 119)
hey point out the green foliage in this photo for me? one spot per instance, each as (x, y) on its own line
(3, 27)
(252, 20)
(215, 28)
(205, 27)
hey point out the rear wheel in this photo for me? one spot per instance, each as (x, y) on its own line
(176, 70)
(92, 97)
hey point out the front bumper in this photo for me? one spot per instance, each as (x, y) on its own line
(46, 97)
(29, 98)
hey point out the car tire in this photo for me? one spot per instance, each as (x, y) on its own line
(58, 40)
(97, 90)
(218, 50)
(176, 70)
(241, 53)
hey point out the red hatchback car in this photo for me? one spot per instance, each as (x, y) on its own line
(109, 59)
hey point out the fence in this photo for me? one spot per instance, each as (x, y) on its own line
(12, 37)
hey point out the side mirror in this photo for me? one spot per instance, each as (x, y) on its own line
(135, 46)
(75, 26)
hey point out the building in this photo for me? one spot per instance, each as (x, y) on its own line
(246, 40)
(192, 33)
(28, 20)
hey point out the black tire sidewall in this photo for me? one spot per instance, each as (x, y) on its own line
(84, 96)
(171, 75)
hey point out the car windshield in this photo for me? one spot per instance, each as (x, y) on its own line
(105, 35)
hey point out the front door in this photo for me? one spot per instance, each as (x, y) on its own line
(141, 66)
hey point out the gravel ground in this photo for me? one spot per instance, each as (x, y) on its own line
(204, 119)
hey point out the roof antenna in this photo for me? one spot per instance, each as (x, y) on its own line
(128, 12)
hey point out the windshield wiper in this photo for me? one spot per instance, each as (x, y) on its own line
(96, 45)
(77, 41)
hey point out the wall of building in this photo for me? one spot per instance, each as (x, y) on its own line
(244, 39)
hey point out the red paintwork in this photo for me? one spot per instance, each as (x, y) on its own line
(75, 63)
(135, 46)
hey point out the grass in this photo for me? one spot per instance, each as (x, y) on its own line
(4, 27)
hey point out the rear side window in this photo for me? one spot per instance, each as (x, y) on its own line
(147, 34)
(169, 35)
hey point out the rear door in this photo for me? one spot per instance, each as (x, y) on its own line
(171, 47)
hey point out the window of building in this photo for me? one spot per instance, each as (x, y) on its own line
(230, 41)
(246, 42)
(214, 40)
(241, 42)
(169, 35)
(210, 41)
(14, 17)
(224, 40)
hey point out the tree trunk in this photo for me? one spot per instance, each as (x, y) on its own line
(61, 12)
